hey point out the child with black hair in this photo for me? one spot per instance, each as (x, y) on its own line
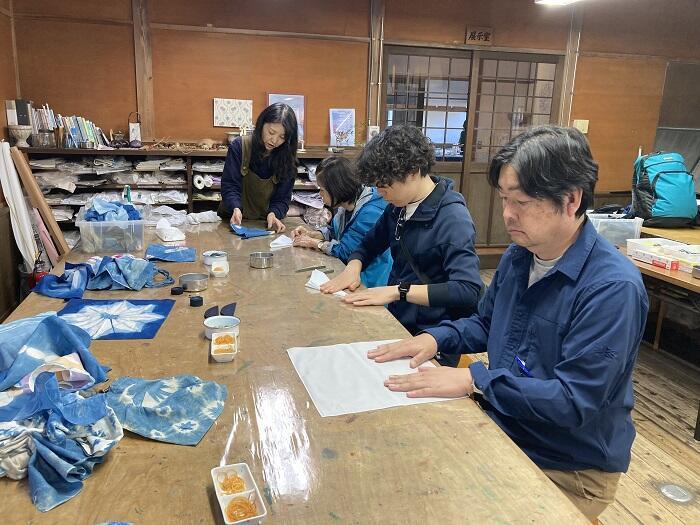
(427, 227)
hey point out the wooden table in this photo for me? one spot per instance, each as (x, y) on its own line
(686, 235)
(433, 463)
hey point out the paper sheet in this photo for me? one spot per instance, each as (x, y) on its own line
(341, 379)
(317, 279)
(282, 241)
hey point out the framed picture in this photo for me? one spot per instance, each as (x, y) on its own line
(233, 113)
(342, 127)
(296, 102)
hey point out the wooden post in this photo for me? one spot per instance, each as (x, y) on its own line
(144, 68)
(375, 73)
(570, 63)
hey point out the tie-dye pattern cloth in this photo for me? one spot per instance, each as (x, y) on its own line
(117, 319)
(50, 431)
(178, 409)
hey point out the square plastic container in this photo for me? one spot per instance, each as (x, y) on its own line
(110, 236)
(223, 352)
(616, 230)
(250, 491)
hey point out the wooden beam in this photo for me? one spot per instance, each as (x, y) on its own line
(375, 58)
(471, 121)
(74, 19)
(466, 47)
(6, 12)
(570, 63)
(258, 32)
(144, 69)
(18, 92)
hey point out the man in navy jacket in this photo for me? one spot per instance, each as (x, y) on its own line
(562, 322)
(435, 274)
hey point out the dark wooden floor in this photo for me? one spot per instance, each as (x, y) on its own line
(667, 394)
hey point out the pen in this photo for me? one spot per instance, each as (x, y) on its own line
(522, 367)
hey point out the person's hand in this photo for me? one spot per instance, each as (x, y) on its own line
(420, 349)
(273, 223)
(236, 217)
(347, 279)
(304, 241)
(298, 231)
(442, 381)
(373, 296)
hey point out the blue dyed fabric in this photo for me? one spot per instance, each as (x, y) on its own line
(26, 346)
(248, 233)
(178, 409)
(103, 211)
(49, 431)
(119, 272)
(117, 319)
(158, 252)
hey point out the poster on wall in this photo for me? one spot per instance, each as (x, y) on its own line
(233, 113)
(342, 127)
(296, 102)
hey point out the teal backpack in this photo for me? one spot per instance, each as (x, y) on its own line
(663, 192)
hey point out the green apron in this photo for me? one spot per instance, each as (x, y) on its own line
(255, 192)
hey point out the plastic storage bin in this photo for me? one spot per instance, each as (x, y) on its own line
(109, 236)
(616, 230)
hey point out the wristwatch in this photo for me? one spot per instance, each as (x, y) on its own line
(403, 291)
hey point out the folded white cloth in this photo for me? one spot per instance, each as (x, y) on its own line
(167, 232)
(202, 217)
(282, 241)
(317, 279)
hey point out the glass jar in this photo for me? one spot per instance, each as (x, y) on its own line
(45, 139)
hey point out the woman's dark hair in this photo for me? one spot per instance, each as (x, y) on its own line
(393, 154)
(337, 177)
(550, 162)
(283, 158)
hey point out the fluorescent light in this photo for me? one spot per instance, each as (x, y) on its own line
(556, 2)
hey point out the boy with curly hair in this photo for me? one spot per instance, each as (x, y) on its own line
(427, 226)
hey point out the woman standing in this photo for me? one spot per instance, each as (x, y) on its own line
(358, 208)
(260, 170)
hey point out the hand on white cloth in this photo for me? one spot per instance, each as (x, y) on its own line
(167, 232)
(281, 242)
(317, 279)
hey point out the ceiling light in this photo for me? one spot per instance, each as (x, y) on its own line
(556, 2)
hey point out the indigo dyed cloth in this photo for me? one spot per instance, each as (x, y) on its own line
(49, 431)
(119, 272)
(103, 211)
(177, 409)
(117, 319)
(248, 233)
(158, 252)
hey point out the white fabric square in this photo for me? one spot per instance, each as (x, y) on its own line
(341, 379)
(317, 279)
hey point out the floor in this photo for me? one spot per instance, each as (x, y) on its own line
(664, 455)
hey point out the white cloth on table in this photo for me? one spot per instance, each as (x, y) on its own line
(317, 279)
(341, 379)
(283, 241)
(167, 232)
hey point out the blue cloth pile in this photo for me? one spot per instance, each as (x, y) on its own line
(49, 431)
(158, 252)
(119, 272)
(249, 233)
(178, 409)
(104, 211)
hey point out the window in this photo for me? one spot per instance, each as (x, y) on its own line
(511, 96)
(431, 92)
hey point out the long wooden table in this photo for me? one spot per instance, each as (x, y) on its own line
(433, 463)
